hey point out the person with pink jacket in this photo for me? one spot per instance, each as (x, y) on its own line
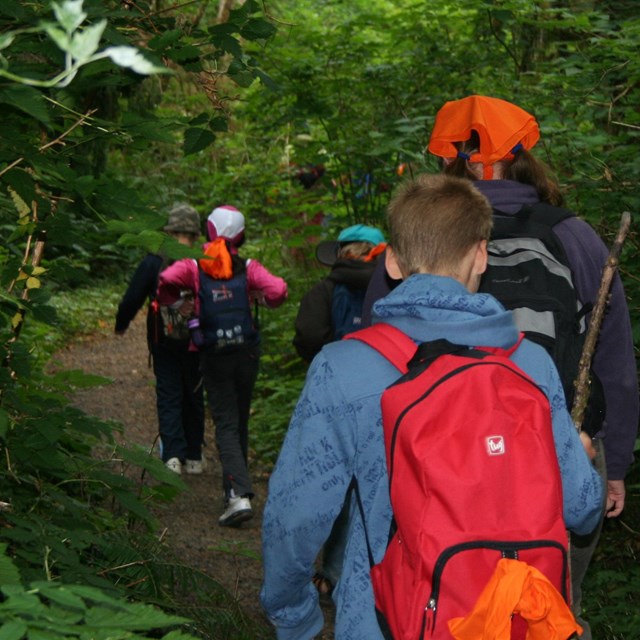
(225, 332)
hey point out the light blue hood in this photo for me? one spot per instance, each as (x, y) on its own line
(336, 435)
(450, 310)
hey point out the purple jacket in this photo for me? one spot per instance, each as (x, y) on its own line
(614, 360)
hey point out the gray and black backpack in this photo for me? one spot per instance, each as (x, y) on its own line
(528, 272)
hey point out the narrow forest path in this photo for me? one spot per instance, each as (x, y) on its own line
(231, 556)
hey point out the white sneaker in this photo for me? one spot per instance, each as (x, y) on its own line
(238, 510)
(195, 467)
(174, 464)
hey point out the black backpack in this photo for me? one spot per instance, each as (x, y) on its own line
(226, 320)
(346, 310)
(165, 325)
(528, 272)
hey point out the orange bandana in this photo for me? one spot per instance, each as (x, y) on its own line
(500, 125)
(375, 252)
(217, 264)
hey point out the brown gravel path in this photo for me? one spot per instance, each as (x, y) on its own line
(231, 556)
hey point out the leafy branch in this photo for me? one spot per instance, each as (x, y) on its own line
(79, 44)
(81, 120)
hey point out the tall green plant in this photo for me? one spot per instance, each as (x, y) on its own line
(72, 508)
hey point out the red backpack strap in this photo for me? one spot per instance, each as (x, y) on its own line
(396, 346)
(504, 352)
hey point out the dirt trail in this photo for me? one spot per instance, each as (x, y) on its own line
(191, 521)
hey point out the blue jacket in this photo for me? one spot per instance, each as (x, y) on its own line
(614, 360)
(336, 433)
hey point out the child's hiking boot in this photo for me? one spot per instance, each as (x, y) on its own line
(238, 510)
(174, 464)
(195, 467)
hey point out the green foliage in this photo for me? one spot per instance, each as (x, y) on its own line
(76, 519)
(88, 169)
(281, 371)
(71, 314)
(54, 161)
(613, 580)
(273, 403)
(69, 511)
(214, 613)
(80, 47)
(55, 610)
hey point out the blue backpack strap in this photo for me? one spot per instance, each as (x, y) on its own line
(395, 345)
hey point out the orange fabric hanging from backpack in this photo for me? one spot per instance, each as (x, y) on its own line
(517, 587)
(218, 263)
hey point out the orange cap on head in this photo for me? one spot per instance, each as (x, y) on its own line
(500, 125)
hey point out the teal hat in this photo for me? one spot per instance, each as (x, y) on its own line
(327, 251)
(361, 233)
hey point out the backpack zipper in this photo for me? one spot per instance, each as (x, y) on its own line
(508, 549)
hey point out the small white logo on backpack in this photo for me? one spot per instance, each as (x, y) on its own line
(495, 446)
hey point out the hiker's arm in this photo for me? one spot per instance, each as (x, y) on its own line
(272, 290)
(615, 498)
(614, 360)
(306, 493)
(141, 286)
(582, 489)
(180, 276)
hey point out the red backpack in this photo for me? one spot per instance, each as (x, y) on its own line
(473, 478)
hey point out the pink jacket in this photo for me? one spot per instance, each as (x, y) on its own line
(268, 289)
(263, 286)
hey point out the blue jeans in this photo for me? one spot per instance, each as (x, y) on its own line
(179, 401)
(229, 379)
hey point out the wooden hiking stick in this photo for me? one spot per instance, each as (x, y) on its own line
(582, 380)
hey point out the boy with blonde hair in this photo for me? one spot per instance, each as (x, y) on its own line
(439, 226)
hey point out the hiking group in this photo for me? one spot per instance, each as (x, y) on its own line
(431, 481)
(202, 334)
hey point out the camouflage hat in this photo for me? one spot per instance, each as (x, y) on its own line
(183, 218)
